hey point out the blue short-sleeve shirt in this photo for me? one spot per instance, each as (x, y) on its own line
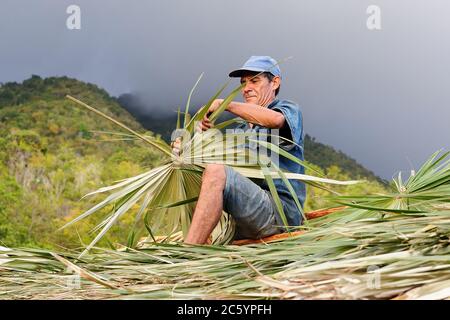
(292, 130)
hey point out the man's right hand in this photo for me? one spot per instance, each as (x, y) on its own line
(206, 124)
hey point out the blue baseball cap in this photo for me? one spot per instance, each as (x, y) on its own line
(258, 64)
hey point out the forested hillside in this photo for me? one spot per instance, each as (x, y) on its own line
(49, 159)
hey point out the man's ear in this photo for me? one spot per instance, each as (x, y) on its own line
(276, 81)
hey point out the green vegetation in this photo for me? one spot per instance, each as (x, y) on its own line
(327, 157)
(318, 198)
(49, 159)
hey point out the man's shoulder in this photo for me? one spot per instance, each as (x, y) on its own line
(292, 108)
(287, 103)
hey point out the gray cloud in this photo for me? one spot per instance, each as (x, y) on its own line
(380, 96)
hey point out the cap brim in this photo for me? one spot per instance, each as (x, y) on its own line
(239, 72)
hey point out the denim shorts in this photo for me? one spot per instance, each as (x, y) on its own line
(251, 207)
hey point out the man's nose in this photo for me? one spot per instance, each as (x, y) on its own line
(247, 88)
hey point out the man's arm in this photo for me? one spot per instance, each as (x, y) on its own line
(251, 113)
(256, 114)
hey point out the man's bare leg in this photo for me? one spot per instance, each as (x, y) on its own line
(209, 205)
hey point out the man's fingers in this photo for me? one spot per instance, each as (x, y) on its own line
(204, 125)
(207, 121)
(200, 127)
(176, 146)
(176, 151)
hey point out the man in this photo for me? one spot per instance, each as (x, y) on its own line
(251, 204)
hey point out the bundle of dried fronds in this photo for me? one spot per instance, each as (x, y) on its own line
(365, 253)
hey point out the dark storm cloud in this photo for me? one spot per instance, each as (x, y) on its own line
(380, 96)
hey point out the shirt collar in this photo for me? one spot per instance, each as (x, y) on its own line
(273, 104)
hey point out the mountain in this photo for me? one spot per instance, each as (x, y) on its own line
(317, 153)
(326, 156)
(50, 158)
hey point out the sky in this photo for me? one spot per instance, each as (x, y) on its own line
(381, 96)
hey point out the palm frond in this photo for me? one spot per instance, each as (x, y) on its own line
(429, 186)
(167, 194)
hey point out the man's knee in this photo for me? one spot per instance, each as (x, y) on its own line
(214, 173)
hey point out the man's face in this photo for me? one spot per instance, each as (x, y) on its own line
(257, 89)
